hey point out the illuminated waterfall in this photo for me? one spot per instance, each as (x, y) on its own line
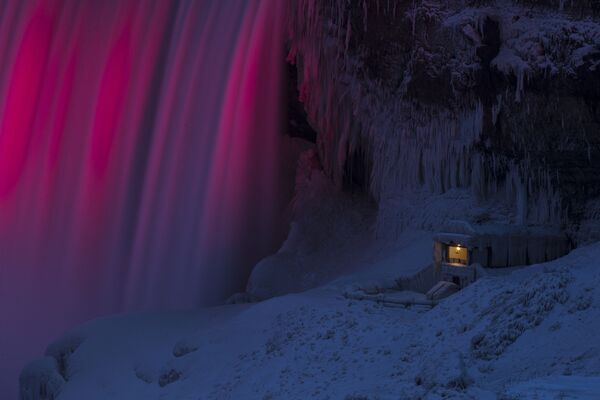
(139, 151)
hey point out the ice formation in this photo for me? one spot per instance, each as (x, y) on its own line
(406, 145)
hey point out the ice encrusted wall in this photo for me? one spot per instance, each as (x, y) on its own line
(494, 103)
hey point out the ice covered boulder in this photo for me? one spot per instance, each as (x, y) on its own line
(41, 380)
(44, 378)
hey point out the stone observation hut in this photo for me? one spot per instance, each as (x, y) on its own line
(464, 246)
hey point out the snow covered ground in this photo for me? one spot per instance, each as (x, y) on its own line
(532, 333)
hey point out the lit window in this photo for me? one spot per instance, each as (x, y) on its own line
(457, 254)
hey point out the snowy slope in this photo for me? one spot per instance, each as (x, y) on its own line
(333, 236)
(533, 332)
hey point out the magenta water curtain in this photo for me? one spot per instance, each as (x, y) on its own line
(138, 158)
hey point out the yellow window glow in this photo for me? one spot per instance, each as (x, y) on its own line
(457, 255)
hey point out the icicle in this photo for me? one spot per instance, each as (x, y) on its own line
(365, 19)
(348, 32)
(496, 109)
(413, 17)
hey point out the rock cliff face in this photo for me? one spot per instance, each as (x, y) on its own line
(490, 107)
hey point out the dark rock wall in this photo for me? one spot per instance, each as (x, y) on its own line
(497, 98)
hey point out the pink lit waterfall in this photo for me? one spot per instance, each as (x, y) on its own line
(139, 158)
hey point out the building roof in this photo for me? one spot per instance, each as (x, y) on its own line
(454, 238)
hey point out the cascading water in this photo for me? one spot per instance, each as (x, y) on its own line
(139, 153)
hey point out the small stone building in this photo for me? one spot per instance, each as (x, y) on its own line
(458, 251)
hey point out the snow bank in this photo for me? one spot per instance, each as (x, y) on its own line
(507, 335)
